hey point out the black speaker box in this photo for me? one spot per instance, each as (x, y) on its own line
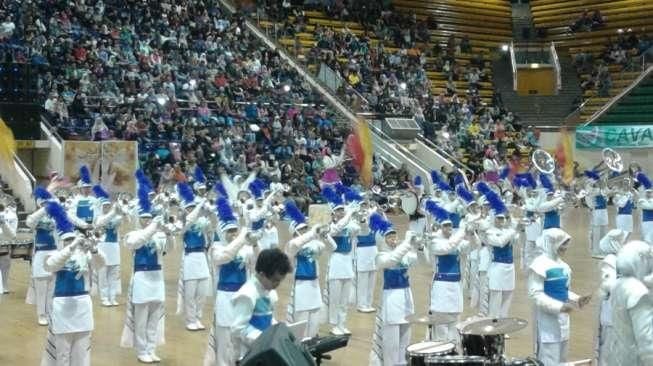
(276, 347)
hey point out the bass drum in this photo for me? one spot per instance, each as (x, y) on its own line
(530, 361)
(409, 202)
(456, 360)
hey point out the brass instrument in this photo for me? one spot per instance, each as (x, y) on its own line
(543, 161)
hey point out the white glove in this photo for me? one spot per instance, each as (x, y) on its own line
(158, 220)
(353, 207)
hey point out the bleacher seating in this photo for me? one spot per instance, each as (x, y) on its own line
(636, 107)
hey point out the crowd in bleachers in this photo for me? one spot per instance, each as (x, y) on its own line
(588, 22)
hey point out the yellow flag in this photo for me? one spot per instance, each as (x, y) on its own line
(7, 142)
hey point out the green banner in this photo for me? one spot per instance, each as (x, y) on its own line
(615, 136)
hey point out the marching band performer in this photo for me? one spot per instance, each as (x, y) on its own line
(40, 291)
(491, 167)
(8, 227)
(548, 287)
(624, 200)
(144, 322)
(254, 303)
(550, 206)
(527, 188)
(392, 330)
(71, 318)
(109, 220)
(646, 204)
(610, 246)
(443, 252)
(597, 201)
(632, 308)
(366, 251)
(194, 277)
(235, 261)
(83, 205)
(340, 271)
(305, 247)
(479, 261)
(258, 208)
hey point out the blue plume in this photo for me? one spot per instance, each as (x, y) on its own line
(528, 179)
(643, 179)
(60, 217)
(496, 203)
(331, 196)
(340, 188)
(546, 182)
(85, 174)
(99, 192)
(294, 213)
(352, 195)
(220, 189)
(444, 186)
(378, 224)
(143, 180)
(225, 213)
(458, 179)
(144, 203)
(198, 175)
(505, 172)
(482, 187)
(417, 181)
(592, 174)
(435, 177)
(256, 187)
(520, 182)
(436, 211)
(41, 193)
(185, 192)
(463, 193)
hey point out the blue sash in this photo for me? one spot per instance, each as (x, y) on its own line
(146, 259)
(555, 284)
(111, 234)
(455, 219)
(503, 254)
(366, 240)
(262, 315)
(216, 237)
(551, 219)
(448, 268)
(67, 284)
(84, 211)
(647, 215)
(343, 244)
(193, 241)
(600, 203)
(232, 276)
(627, 209)
(395, 278)
(306, 266)
(258, 224)
(44, 239)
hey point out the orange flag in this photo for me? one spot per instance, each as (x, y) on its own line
(565, 156)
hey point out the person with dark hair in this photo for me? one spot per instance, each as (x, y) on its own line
(253, 304)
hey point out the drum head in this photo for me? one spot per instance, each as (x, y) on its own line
(430, 348)
(522, 362)
(456, 360)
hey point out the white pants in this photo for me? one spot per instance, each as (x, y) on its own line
(107, 278)
(339, 293)
(226, 354)
(43, 290)
(553, 354)
(499, 304)
(312, 318)
(596, 234)
(396, 338)
(146, 322)
(5, 265)
(195, 293)
(603, 345)
(73, 349)
(365, 289)
(446, 332)
(484, 294)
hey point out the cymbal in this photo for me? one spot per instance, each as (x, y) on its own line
(430, 319)
(494, 326)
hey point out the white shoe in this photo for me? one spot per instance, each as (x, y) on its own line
(337, 331)
(43, 320)
(192, 327)
(114, 302)
(145, 359)
(154, 357)
(106, 303)
(345, 331)
(367, 310)
(199, 325)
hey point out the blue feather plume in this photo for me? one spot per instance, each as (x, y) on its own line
(444, 186)
(546, 183)
(592, 174)
(496, 203)
(143, 180)
(331, 196)
(458, 179)
(85, 174)
(198, 175)
(482, 187)
(352, 195)
(417, 181)
(144, 204)
(60, 217)
(435, 177)
(225, 213)
(341, 189)
(220, 189)
(436, 211)
(464, 194)
(643, 180)
(256, 187)
(99, 192)
(185, 192)
(41, 193)
(528, 179)
(378, 224)
(294, 213)
(520, 182)
(505, 172)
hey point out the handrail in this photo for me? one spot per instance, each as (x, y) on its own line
(513, 63)
(440, 151)
(26, 171)
(46, 123)
(617, 98)
(556, 63)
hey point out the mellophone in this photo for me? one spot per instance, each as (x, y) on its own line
(482, 344)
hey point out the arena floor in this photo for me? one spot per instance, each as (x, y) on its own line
(22, 340)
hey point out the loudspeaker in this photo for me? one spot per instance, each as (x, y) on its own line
(276, 347)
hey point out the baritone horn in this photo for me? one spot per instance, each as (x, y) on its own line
(543, 161)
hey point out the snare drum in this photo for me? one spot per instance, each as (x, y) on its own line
(456, 360)
(22, 249)
(418, 353)
(530, 361)
(5, 248)
(489, 346)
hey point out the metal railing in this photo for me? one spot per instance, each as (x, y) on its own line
(556, 65)
(513, 63)
(25, 171)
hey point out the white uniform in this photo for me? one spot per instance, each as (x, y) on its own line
(632, 309)
(548, 287)
(233, 261)
(608, 279)
(8, 227)
(597, 201)
(109, 275)
(501, 273)
(624, 202)
(532, 231)
(83, 208)
(306, 297)
(365, 268)
(145, 319)
(71, 318)
(340, 272)
(446, 288)
(392, 330)
(45, 243)
(646, 205)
